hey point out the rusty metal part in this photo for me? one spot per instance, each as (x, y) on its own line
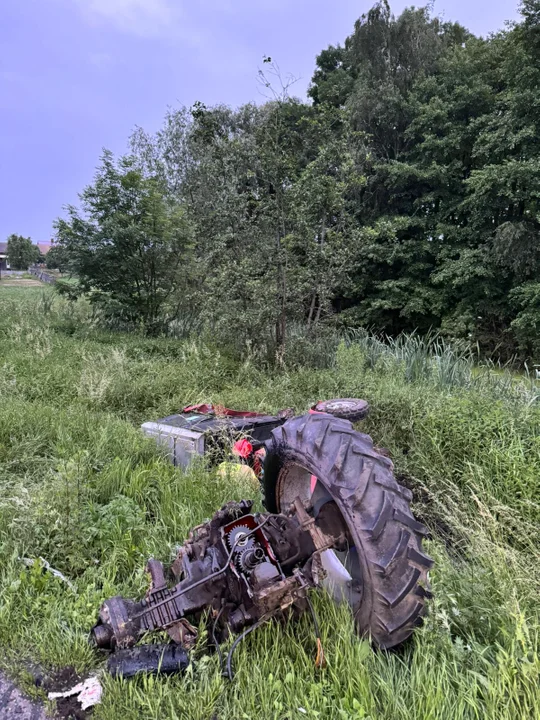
(183, 633)
(308, 524)
(330, 522)
(338, 520)
(282, 594)
(155, 569)
(242, 567)
(116, 627)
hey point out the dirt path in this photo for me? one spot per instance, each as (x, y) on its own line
(16, 706)
(22, 282)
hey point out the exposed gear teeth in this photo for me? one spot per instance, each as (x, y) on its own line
(236, 536)
(243, 560)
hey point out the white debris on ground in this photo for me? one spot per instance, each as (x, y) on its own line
(45, 565)
(88, 692)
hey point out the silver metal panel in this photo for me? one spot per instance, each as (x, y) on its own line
(182, 445)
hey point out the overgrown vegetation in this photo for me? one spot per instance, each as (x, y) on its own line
(404, 197)
(85, 491)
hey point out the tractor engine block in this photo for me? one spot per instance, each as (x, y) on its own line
(241, 567)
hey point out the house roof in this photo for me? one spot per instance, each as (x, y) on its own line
(44, 247)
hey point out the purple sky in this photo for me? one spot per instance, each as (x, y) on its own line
(78, 75)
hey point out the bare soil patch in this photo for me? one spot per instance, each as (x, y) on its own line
(19, 282)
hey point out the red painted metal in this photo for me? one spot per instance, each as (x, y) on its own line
(206, 409)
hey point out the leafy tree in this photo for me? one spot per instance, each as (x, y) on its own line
(57, 258)
(128, 243)
(333, 80)
(21, 253)
(237, 185)
(525, 299)
(404, 197)
(388, 284)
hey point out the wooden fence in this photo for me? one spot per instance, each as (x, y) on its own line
(42, 275)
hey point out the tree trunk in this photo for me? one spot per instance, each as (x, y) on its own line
(312, 308)
(282, 294)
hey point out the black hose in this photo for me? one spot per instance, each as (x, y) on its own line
(229, 671)
(214, 638)
(314, 616)
(320, 661)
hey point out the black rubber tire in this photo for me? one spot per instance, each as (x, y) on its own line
(352, 409)
(376, 509)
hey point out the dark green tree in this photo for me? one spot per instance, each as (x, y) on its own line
(21, 253)
(57, 258)
(128, 244)
(404, 197)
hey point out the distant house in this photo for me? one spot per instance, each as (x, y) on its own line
(44, 248)
(3, 256)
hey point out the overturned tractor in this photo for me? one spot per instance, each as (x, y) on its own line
(335, 518)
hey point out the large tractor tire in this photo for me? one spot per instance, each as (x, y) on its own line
(323, 460)
(352, 409)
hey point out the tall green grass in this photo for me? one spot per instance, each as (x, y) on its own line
(83, 489)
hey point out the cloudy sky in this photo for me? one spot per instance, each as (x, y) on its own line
(78, 75)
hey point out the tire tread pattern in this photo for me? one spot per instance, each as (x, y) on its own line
(376, 508)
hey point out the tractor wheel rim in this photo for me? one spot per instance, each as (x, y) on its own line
(342, 568)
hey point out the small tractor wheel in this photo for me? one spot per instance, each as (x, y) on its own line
(352, 409)
(326, 463)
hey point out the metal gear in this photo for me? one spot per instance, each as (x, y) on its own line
(236, 535)
(249, 557)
